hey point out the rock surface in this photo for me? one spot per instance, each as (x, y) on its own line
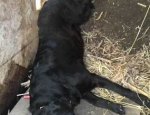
(18, 42)
(84, 108)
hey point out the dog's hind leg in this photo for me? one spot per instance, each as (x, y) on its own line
(100, 102)
(105, 83)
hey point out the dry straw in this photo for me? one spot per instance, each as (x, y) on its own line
(131, 71)
(109, 59)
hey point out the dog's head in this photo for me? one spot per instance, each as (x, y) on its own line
(54, 108)
(74, 12)
(77, 11)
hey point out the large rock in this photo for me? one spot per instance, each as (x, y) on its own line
(18, 42)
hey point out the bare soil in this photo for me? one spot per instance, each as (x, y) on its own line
(121, 20)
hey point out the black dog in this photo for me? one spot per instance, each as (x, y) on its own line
(60, 79)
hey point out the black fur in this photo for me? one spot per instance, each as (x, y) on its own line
(60, 79)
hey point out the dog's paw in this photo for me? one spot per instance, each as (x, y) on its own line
(146, 102)
(143, 100)
(121, 110)
(117, 108)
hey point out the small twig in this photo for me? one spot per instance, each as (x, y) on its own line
(135, 89)
(139, 29)
(26, 84)
(99, 17)
(143, 5)
(23, 94)
(144, 34)
(99, 58)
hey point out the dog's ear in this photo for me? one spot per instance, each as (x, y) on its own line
(78, 11)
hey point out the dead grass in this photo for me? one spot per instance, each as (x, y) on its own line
(109, 59)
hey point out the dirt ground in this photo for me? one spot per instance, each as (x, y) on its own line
(121, 19)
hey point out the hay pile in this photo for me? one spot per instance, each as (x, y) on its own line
(108, 58)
